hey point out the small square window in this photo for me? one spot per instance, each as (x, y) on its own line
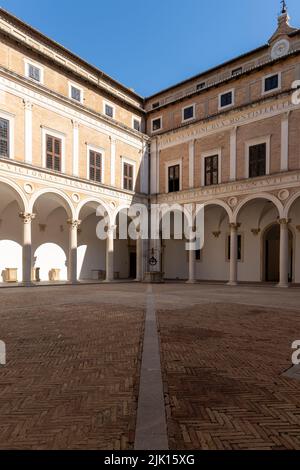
(109, 110)
(271, 83)
(137, 125)
(155, 105)
(156, 124)
(34, 73)
(200, 86)
(188, 113)
(226, 99)
(75, 93)
(237, 71)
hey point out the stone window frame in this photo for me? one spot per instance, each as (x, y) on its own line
(108, 103)
(232, 91)
(211, 153)
(167, 166)
(136, 118)
(193, 105)
(11, 133)
(58, 135)
(74, 85)
(161, 124)
(27, 64)
(257, 141)
(265, 77)
(94, 148)
(133, 163)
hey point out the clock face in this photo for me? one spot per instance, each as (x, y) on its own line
(280, 48)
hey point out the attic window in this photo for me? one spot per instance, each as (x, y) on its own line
(155, 105)
(237, 71)
(200, 86)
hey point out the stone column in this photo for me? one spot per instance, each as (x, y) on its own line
(27, 256)
(192, 267)
(139, 259)
(28, 131)
(110, 253)
(72, 267)
(233, 254)
(284, 254)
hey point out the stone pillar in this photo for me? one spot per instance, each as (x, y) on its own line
(27, 256)
(233, 254)
(284, 164)
(284, 253)
(110, 253)
(139, 259)
(192, 267)
(72, 267)
(28, 131)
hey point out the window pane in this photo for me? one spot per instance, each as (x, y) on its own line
(75, 94)
(156, 124)
(188, 113)
(257, 160)
(109, 111)
(271, 83)
(226, 99)
(174, 178)
(136, 125)
(34, 73)
(4, 138)
(211, 170)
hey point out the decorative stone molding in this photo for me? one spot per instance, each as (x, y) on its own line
(234, 226)
(74, 223)
(256, 231)
(27, 104)
(76, 197)
(26, 217)
(284, 221)
(233, 201)
(216, 234)
(283, 194)
(28, 188)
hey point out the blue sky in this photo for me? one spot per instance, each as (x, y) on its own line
(150, 45)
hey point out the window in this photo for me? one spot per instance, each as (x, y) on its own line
(272, 82)
(95, 164)
(109, 110)
(257, 160)
(136, 124)
(155, 105)
(127, 176)
(188, 113)
(237, 71)
(53, 153)
(156, 124)
(200, 86)
(174, 178)
(34, 73)
(239, 247)
(211, 170)
(4, 138)
(226, 99)
(75, 94)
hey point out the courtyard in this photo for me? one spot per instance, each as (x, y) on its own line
(74, 361)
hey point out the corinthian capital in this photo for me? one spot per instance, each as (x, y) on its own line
(74, 223)
(27, 217)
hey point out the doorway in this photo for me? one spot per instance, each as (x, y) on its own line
(132, 265)
(272, 254)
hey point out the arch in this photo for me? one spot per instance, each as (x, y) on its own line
(49, 256)
(98, 202)
(117, 210)
(265, 269)
(11, 256)
(21, 198)
(66, 201)
(220, 203)
(266, 196)
(290, 204)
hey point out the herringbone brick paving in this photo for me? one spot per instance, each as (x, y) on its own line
(222, 369)
(72, 374)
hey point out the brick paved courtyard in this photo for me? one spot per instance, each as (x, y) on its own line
(74, 354)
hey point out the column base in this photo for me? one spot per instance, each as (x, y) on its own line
(193, 281)
(28, 284)
(232, 283)
(283, 286)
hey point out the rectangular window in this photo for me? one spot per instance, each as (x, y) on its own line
(155, 105)
(109, 110)
(237, 71)
(53, 153)
(239, 247)
(226, 99)
(75, 93)
(211, 170)
(188, 113)
(4, 138)
(34, 72)
(174, 178)
(137, 124)
(257, 160)
(271, 83)
(95, 166)
(128, 176)
(200, 86)
(156, 124)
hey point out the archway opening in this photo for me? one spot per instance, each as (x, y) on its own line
(272, 254)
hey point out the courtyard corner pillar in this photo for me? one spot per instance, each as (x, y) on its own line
(139, 259)
(192, 267)
(110, 253)
(233, 254)
(284, 254)
(27, 256)
(72, 271)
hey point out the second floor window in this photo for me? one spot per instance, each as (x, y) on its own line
(4, 138)
(95, 166)
(109, 111)
(188, 113)
(75, 94)
(271, 83)
(128, 177)
(156, 124)
(34, 72)
(137, 124)
(211, 170)
(257, 160)
(174, 178)
(54, 152)
(226, 99)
